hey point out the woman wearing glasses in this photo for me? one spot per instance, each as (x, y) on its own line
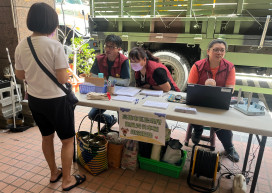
(217, 71)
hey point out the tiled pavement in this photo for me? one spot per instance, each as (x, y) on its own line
(24, 169)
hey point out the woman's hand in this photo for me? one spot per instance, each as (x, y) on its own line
(210, 82)
(20, 74)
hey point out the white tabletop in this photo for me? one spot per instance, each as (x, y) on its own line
(225, 119)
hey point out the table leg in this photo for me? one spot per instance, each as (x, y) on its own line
(258, 164)
(74, 157)
(247, 153)
(99, 121)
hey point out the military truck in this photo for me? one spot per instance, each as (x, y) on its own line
(73, 15)
(179, 31)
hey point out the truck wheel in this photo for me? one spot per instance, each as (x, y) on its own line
(178, 66)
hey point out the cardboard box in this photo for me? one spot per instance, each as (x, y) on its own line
(95, 81)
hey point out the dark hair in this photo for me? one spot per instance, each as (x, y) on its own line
(42, 18)
(114, 39)
(139, 53)
(217, 41)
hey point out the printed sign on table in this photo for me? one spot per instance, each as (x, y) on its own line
(142, 126)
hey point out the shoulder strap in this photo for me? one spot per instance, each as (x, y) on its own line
(53, 78)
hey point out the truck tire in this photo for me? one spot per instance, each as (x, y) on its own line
(178, 66)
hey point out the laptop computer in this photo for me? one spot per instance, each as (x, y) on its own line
(208, 96)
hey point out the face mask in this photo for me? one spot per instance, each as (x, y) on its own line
(136, 66)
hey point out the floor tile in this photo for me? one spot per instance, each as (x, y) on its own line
(8, 189)
(24, 169)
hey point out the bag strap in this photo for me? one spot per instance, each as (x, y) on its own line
(53, 78)
(92, 122)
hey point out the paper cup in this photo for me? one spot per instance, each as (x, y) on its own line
(111, 89)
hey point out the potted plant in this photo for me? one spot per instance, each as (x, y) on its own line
(82, 56)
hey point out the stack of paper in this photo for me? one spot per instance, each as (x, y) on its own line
(156, 104)
(152, 92)
(126, 91)
(123, 98)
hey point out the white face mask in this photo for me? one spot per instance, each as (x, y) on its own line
(136, 66)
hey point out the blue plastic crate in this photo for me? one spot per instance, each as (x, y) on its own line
(84, 88)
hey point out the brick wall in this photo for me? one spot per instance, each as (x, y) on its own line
(8, 34)
(13, 28)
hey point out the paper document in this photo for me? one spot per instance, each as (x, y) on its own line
(126, 91)
(152, 92)
(156, 104)
(123, 98)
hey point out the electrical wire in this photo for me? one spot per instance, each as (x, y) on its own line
(173, 127)
(205, 165)
(248, 172)
(234, 169)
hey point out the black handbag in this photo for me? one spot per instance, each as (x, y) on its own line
(70, 95)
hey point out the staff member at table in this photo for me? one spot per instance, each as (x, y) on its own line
(149, 72)
(215, 70)
(115, 67)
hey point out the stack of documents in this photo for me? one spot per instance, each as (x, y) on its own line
(152, 92)
(126, 91)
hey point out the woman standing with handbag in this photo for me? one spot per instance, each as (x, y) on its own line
(47, 101)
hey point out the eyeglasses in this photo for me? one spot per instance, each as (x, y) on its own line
(110, 47)
(216, 50)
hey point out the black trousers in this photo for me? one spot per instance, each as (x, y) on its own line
(225, 136)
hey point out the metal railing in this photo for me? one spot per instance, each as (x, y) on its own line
(183, 8)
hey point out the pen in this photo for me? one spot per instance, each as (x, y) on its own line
(109, 83)
(145, 96)
(114, 82)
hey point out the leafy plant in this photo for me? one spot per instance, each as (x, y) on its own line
(84, 56)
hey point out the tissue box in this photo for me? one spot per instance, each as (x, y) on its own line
(84, 88)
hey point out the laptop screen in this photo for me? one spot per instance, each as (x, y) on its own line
(208, 96)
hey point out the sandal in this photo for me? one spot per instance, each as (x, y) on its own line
(79, 180)
(58, 178)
